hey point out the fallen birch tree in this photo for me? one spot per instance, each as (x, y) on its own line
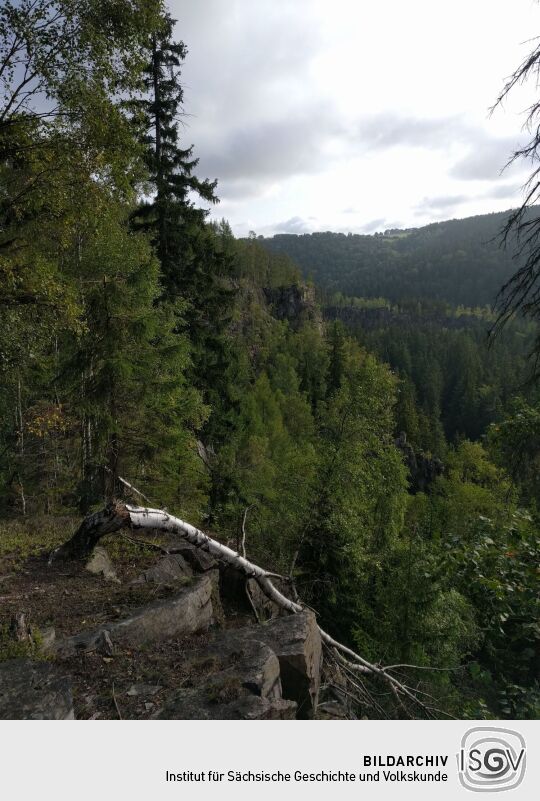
(118, 516)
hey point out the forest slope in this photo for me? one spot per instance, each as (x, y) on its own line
(457, 261)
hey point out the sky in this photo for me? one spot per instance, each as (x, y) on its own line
(354, 116)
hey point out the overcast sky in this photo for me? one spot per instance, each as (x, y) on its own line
(346, 115)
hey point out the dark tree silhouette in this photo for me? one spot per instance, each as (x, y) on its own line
(521, 293)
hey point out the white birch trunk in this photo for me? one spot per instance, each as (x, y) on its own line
(142, 518)
(118, 515)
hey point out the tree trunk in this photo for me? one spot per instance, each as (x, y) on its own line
(118, 515)
(114, 517)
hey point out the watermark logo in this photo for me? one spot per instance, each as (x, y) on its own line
(491, 759)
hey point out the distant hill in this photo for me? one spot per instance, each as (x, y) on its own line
(459, 262)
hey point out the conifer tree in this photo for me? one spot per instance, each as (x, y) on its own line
(194, 264)
(186, 247)
(127, 373)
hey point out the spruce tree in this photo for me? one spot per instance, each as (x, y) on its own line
(193, 264)
(126, 374)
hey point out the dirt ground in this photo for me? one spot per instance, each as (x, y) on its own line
(64, 595)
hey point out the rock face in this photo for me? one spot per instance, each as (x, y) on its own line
(100, 565)
(296, 641)
(188, 611)
(267, 609)
(236, 678)
(423, 470)
(200, 561)
(34, 691)
(233, 587)
(171, 569)
(279, 663)
(295, 303)
(265, 671)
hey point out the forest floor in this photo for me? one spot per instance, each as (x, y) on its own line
(66, 596)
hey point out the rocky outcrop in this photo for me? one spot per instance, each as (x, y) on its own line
(423, 469)
(199, 560)
(202, 704)
(237, 679)
(276, 662)
(188, 611)
(198, 668)
(296, 641)
(171, 569)
(34, 691)
(295, 303)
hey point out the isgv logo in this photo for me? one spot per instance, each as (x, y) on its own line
(491, 759)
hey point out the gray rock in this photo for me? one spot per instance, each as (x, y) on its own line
(261, 672)
(249, 663)
(198, 559)
(191, 704)
(100, 565)
(171, 569)
(267, 609)
(296, 641)
(186, 612)
(233, 587)
(34, 691)
(237, 679)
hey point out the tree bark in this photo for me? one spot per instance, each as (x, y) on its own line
(114, 517)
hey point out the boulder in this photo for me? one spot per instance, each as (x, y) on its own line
(191, 704)
(198, 559)
(171, 569)
(100, 565)
(267, 609)
(233, 586)
(34, 691)
(234, 679)
(188, 611)
(296, 641)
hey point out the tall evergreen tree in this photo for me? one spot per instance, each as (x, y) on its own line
(194, 264)
(126, 373)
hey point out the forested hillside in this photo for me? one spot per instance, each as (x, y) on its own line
(139, 340)
(460, 262)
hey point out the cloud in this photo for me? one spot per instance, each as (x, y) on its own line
(274, 95)
(266, 152)
(504, 191)
(444, 204)
(294, 225)
(440, 204)
(386, 130)
(248, 159)
(370, 227)
(312, 139)
(486, 159)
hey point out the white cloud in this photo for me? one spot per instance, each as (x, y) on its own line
(341, 115)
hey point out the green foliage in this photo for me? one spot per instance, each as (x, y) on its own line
(488, 552)
(131, 360)
(515, 442)
(137, 339)
(457, 262)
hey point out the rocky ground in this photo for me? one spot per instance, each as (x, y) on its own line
(134, 633)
